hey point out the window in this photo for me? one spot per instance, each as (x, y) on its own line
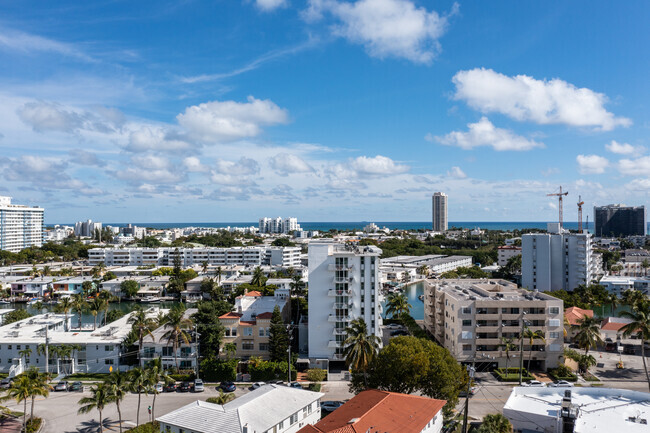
(9, 347)
(309, 408)
(233, 332)
(227, 334)
(554, 310)
(467, 347)
(554, 322)
(248, 345)
(466, 335)
(108, 361)
(293, 419)
(467, 322)
(281, 425)
(554, 334)
(108, 348)
(466, 310)
(18, 347)
(264, 347)
(268, 332)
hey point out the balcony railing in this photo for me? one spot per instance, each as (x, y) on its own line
(334, 318)
(333, 267)
(339, 292)
(343, 279)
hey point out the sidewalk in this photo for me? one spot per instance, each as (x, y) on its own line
(10, 425)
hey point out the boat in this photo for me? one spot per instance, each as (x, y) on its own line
(32, 301)
(421, 298)
(150, 300)
(2, 301)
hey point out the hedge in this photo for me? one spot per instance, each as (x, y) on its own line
(314, 387)
(150, 427)
(562, 373)
(262, 371)
(512, 375)
(316, 375)
(413, 328)
(183, 377)
(217, 370)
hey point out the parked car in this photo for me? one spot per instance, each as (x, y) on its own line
(608, 340)
(295, 385)
(534, 383)
(76, 387)
(629, 349)
(227, 387)
(394, 326)
(562, 384)
(472, 391)
(159, 386)
(256, 385)
(398, 332)
(185, 387)
(6, 383)
(198, 385)
(170, 387)
(61, 386)
(330, 406)
(610, 347)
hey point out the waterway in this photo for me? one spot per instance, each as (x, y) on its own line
(412, 292)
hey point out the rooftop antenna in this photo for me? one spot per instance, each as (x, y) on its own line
(559, 195)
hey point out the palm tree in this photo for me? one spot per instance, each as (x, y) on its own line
(567, 325)
(294, 288)
(258, 277)
(640, 326)
(423, 270)
(532, 336)
(138, 379)
(204, 266)
(65, 305)
(155, 374)
(39, 386)
(360, 347)
(100, 396)
(612, 300)
(495, 423)
(645, 264)
(507, 345)
(118, 384)
(24, 354)
(632, 297)
(218, 274)
(20, 390)
(397, 304)
(95, 306)
(105, 296)
(222, 398)
(143, 326)
(583, 360)
(79, 304)
(176, 324)
(588, 335)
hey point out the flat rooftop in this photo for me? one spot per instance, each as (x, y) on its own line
(487, 290)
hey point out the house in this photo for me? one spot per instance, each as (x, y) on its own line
(382, 411)
(36, 287)
(270, 408)
(71, 286)
(574, 316)
(611, 327)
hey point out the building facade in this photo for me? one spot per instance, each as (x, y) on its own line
(343, 286)
(506, 252)
(618, 220)
(87, 228)
(557, 260)
(469, 318)
(279, 225)
(439, 212)
(20, 226)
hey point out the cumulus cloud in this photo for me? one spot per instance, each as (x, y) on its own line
(524, 98)
(638, 185)
(623, 148)
(234, 172)
(386, 28)
(194, 165)
(269, 5)
(456, 173)
(591, 164)
(154, 138)
(376, 166)
(635, 167)
(285, 164)
(82, 157)
(41, 173)
(230, 121)
(44, 116)
(484, 133)
(150, 169)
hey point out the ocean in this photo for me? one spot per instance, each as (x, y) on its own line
(359, 225)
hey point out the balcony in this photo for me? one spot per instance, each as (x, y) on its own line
(334, 267)
(339, 331)
(333, 293)
(341, 305)
(334, 344)
(333, 318)
(343, 279)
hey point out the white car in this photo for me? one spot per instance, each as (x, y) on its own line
(198, 385)
(159, 386)
(393, 326)
(562, 384)
(534, 383)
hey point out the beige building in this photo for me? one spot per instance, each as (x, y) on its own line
(469, 317)
(249, 326)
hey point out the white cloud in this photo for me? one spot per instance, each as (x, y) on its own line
(635, 167)
(456, 173)
(376, 166)
(194, 165)
(82, 157)
(285, 164)
(639, 185)
(235, 173)
(526, 99)
(152, 170)
(41, 173)
(591, 164)
(623, 148)
(27, 43)
(269, 5)
(386, 28)
(484, 133)
(230, 121)
(154, 138)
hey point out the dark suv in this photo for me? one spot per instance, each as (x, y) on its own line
(610, 347)
(629, 349)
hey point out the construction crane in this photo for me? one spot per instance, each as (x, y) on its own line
(559, 195)
(580, 203)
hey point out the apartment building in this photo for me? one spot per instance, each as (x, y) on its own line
(249, 326)
(506, 252)
(619, 284)
(469, 317)
(156, 346)
(246, 256)
(439, 212)
(36, 286)
(20, 226)
(557, 260)
(268, 409)
(436, 264)
(279, 225)
(618, 220)
(91, 351)
(343, 286)
(87, 228)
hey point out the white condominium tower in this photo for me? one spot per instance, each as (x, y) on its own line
(20, 226)
(439, 212)
(343, 286)
(279, 225)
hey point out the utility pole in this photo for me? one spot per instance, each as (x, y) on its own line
(289, 331)
(470, 370)
(521, 348)
(196, 332)
(47, 352)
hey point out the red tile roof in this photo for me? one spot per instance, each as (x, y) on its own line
(253, 293)
(380, 410)
(230, 315)
(574, 315)
(266, 315)
(614, 323)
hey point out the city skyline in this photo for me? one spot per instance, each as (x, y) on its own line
(156, 111)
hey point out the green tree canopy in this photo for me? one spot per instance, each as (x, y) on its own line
(209, 327)
(15, 316)
(283, 242)
(495, 423)
(129, 288)
(278, 338)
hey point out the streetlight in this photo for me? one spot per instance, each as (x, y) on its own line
(521, 347)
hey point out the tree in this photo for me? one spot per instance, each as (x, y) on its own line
(24, 354)
(632, 297)
(612, 300)
(295, 288)
(100, 396)
(640, 326)
(283, 242)
(154, 375)
(397, 304)
(113, 315)
(230, 349)
(95, 306)
(118, 384)
(20, 390)
(138, 380)
(129, 288)
(410, 364)
(588, 335)
(278, 337)
(584, 361)
(39, 386)
(15, 316)
(495, 423)
(176, 325)
(532, 336)
(211, 330)
(87, 288)
(507, 344)
(222, 398)
(259, 279)
(78, 304)
(218, 274)
(423, 270)
(360, 348)
(142, 325)
(65, 305)
(645, 264)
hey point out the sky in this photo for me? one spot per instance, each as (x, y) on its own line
(326, 110)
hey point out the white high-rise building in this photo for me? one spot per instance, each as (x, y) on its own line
(279, 225)
(20, 226)
(343, 286)
(439, 212)
(557, 260)
(87, 228)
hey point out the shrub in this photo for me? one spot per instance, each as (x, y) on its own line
(269, 370)
(562, 373)
(150, 427)
(33, 424)
(216, 370)
(314, 387)
(512, 375)
(182, 377)
(413, 328)
(316, 375)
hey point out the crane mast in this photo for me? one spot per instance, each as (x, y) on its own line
(559, 195)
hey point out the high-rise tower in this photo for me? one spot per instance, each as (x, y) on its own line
(439, 212)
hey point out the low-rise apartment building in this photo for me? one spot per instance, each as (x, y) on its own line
(36, 287)
(249, 326)
(506, 252)
(617, 284)
(269, 408)
(159, 345)
(469, 317)
(70, 286)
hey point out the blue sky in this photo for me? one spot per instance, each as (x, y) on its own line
(327, 110)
